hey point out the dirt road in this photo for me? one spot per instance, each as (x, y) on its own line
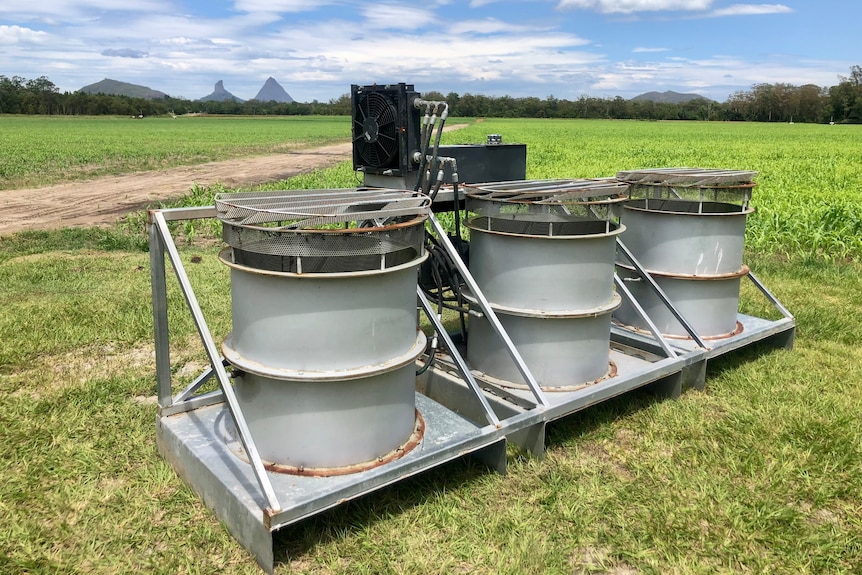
(103, 201)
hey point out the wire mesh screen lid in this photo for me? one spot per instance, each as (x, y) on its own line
(701, 185)
(694, 177)
(331, 209)
(556, 199)
(324, 230)
(546, 192)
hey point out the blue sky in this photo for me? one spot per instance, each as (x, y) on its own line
(317, 48)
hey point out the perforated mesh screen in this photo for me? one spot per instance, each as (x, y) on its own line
(538, 207)
(691, 184)
(557, 228)
(687, 176)
(324, 231)
(684, 206)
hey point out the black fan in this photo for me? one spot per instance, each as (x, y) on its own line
(375, 128)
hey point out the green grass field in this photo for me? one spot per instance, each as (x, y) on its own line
(40, 151)
(759, 473)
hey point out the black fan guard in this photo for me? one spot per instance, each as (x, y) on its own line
(376, 129)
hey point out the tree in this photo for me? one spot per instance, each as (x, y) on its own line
(846, 97)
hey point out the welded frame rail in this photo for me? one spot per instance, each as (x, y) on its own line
(653, 328)
(490, 315)
(490, 416)
(162, 245)
(770, 296)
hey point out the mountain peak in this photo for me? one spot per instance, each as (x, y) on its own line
(272, 92)
(668, 97)
(219, 94)
(117, 88)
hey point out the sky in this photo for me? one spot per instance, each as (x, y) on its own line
(317, 48)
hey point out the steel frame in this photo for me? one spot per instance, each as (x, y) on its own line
(464, 412)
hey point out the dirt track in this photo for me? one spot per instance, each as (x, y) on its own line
(103, 201)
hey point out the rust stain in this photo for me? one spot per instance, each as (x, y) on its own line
(414, 440)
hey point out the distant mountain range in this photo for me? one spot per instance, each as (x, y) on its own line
(116, 88)
(668, 97)
(270, 91)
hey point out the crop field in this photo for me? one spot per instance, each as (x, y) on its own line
(759, 473)
(39, 151)
(808, 197)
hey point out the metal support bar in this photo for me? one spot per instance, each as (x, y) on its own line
(489, 313)
(644, 316)
(216, 364)
(197, 383)
(769, 295)
(191, 213)
(159, 288)
(193, 403)
(459, 361)
(660, 293)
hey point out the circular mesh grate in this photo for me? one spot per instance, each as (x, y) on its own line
(523, 227)
(324, 231)
(691, 184)
(544, 201)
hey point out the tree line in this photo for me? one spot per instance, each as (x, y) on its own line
(780, 102)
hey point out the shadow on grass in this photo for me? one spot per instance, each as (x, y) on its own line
(586, 422)
(357, 515)
(731, 361)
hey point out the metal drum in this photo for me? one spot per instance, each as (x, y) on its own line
(516, 265)
(542, 252)
(562, 349)
(686, 227)
(325, 334)
(686, 237)
(708, 303)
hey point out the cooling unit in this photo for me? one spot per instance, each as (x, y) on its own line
(385, 128)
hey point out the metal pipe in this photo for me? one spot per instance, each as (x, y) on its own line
(216, 363)
(160, 314)
(490, 315)
(196, 384)
(769, 295)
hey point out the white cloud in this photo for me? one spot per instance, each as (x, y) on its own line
(18, 34)
(633, 6)
(396, 17)
(751, 10)
(489, 26)
(648, 50)
(279, 6)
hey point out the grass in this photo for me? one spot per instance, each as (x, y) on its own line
(43, 150)
(759, 473)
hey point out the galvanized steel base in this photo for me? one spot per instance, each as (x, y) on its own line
(197, 442)
(194, 431)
